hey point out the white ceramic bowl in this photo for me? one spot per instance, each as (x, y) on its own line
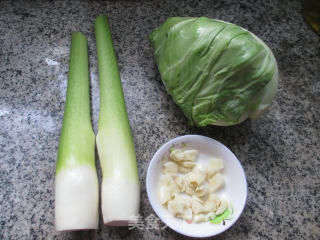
(235, 190)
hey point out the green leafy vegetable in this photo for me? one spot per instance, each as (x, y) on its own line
(217, 72)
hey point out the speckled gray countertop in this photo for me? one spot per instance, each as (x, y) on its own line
(280, 151)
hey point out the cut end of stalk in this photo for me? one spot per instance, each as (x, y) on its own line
(76, 199)
(120, 223)
(120, 201)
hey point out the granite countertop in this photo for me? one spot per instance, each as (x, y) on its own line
(280, 151)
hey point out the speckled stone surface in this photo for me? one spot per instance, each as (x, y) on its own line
(280, 151)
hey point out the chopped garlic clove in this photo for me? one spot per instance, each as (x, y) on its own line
(165, 194)
(216, 182)
(215, 165)
(223, 206)
(170, 167)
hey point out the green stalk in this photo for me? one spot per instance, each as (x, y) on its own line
(114, 140)
(77, 138)
(76, 178)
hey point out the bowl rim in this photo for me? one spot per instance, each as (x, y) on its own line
(148, 176)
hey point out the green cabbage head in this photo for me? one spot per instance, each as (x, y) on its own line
(217, 72)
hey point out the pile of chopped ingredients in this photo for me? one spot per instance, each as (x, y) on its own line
(188, 189)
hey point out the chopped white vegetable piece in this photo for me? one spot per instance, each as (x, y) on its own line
(188, 155)
(184, 169)
(174, 155)
(181, 183)
(175, 207)
(170, 167)
(187, 213)
(211, 215)
(223, 206)
(185, 201)
(165, 179)
(199, 217)
(180, 206)
(187, 164)
(195, 178)
(202, 217)
(197, 205)
(199, 168)
(165, 194)
(190, 190)
(216, 182)
(212, 203)
(168, 180)
(215, 165)
(201, 190)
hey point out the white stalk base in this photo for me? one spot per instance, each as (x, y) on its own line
(120, 201)
(76, 199)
